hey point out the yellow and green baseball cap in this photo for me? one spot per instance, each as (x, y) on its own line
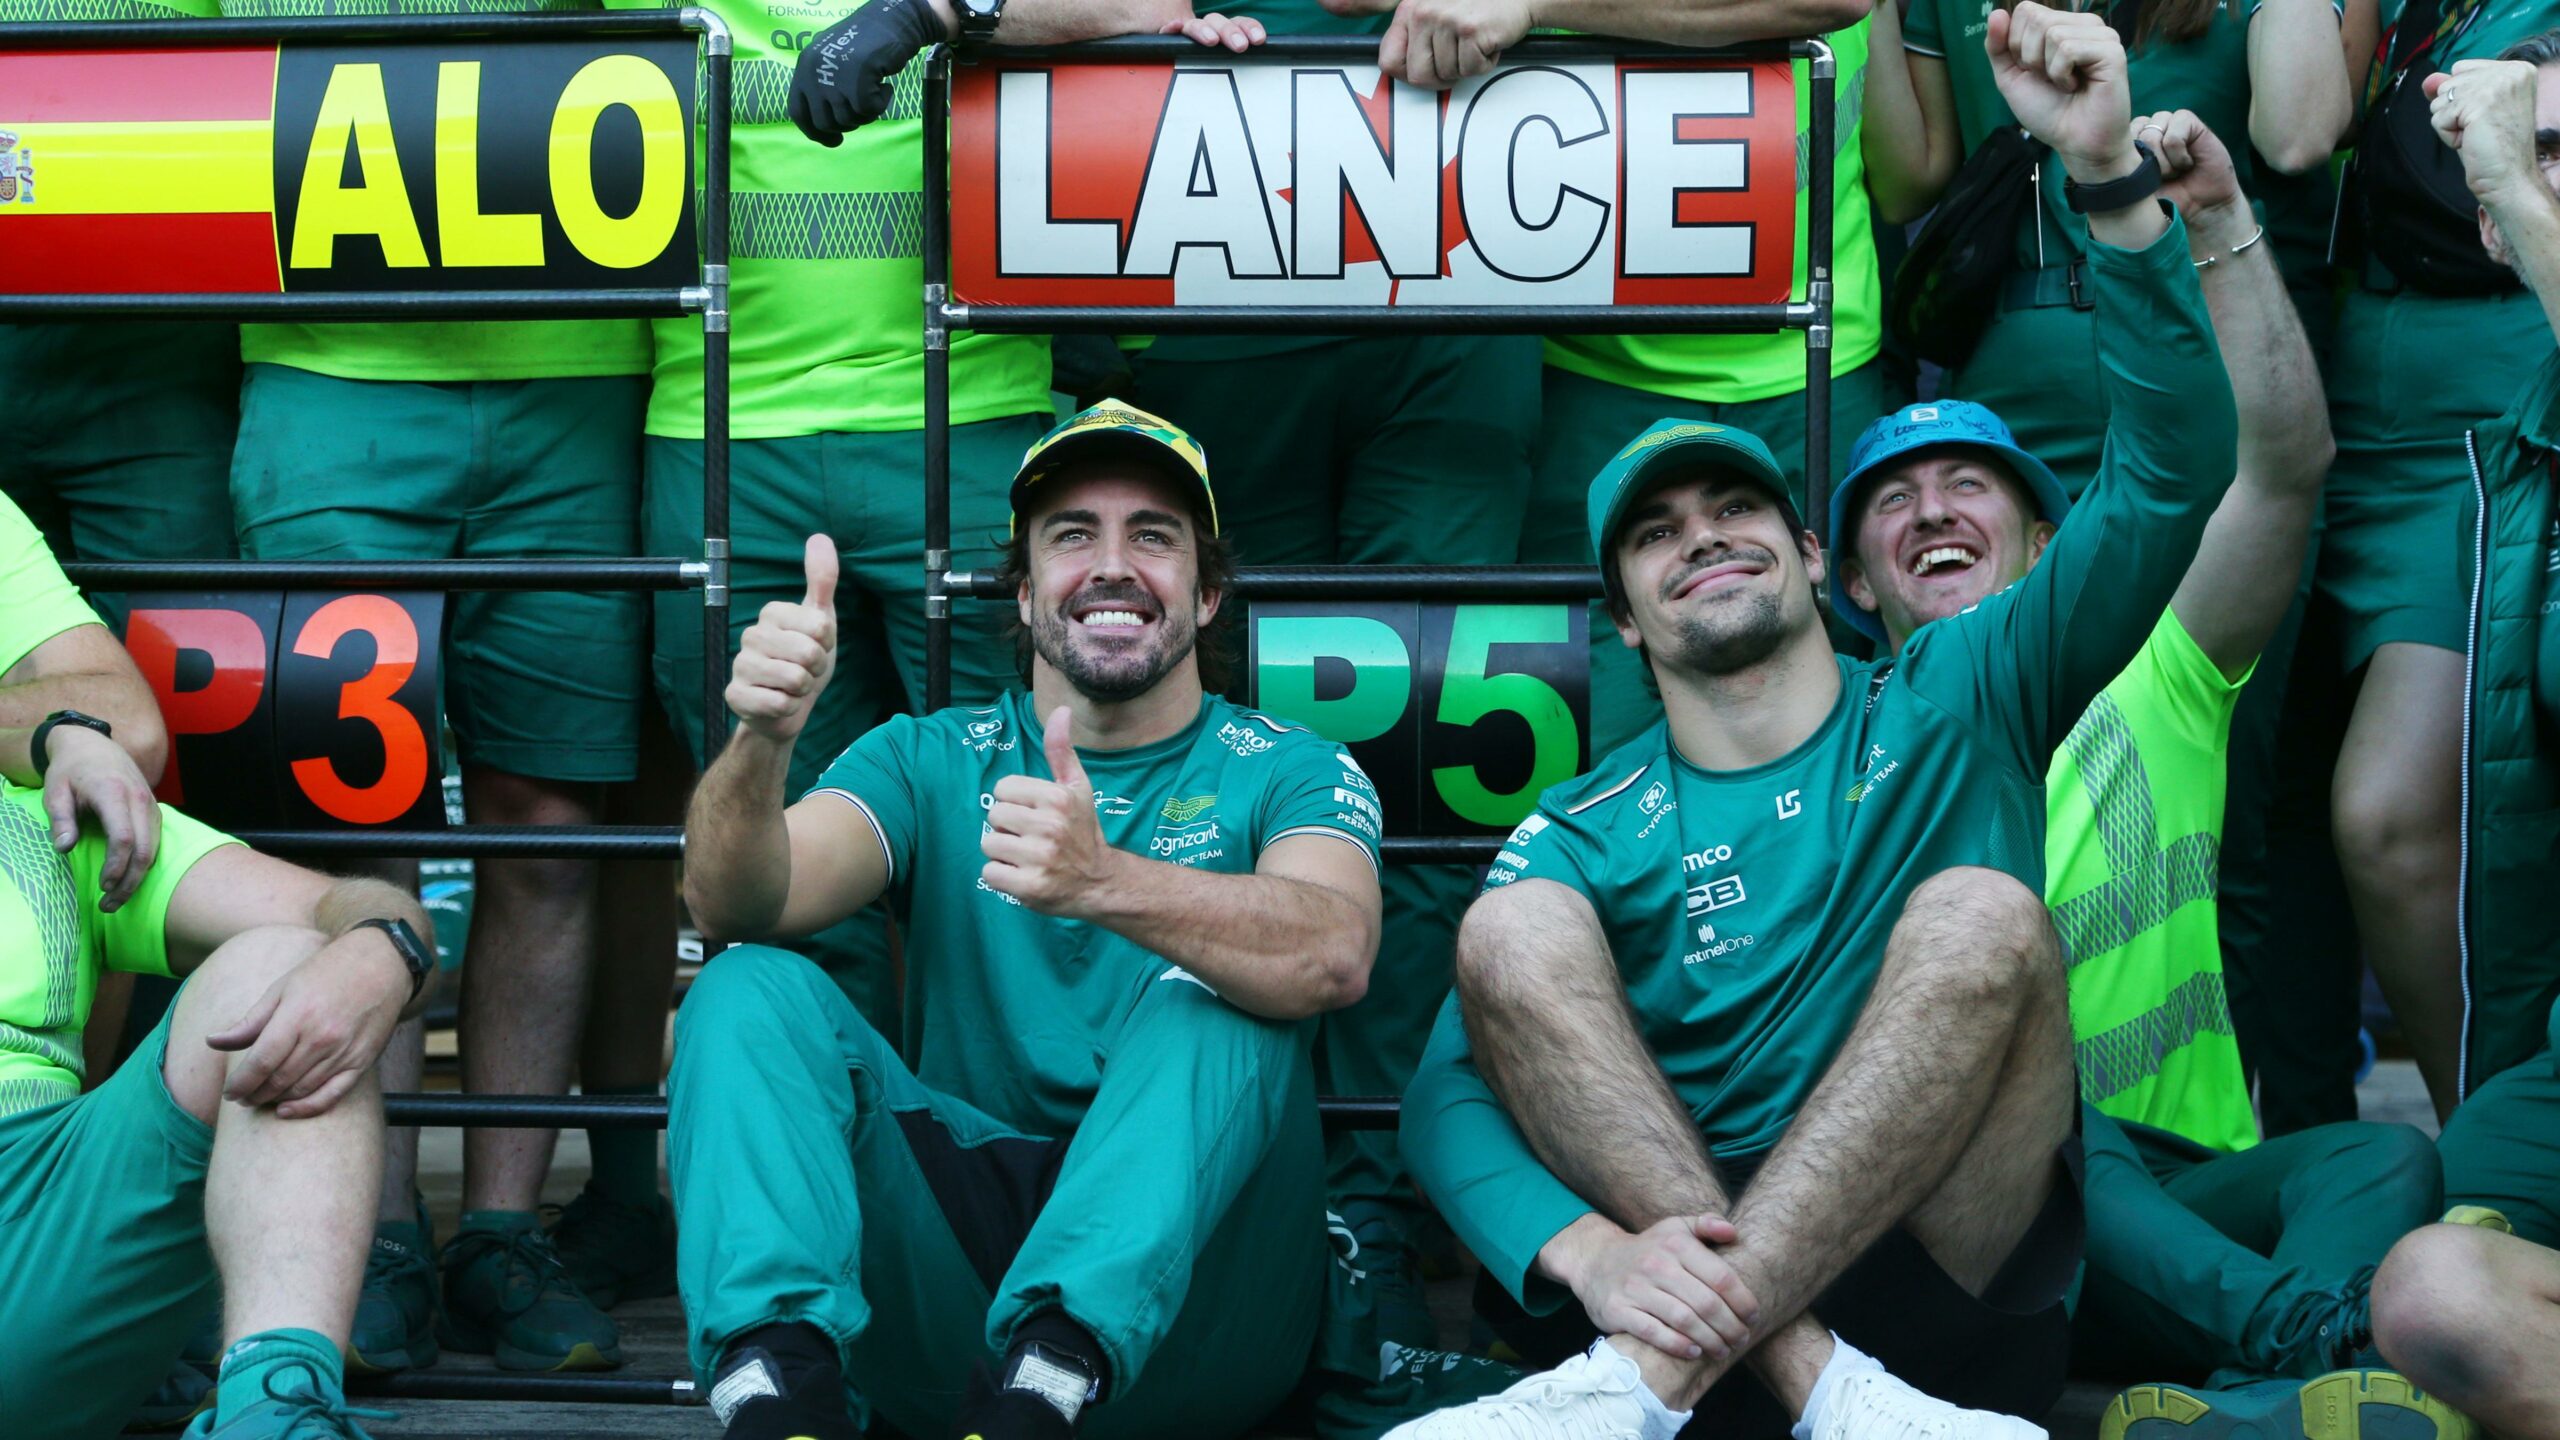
(1669, 447)
(1116, 429)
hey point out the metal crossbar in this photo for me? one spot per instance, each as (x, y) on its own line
(649, 1112)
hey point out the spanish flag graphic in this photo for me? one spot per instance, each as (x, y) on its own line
(138, 171)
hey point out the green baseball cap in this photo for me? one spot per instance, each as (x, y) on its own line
(1118, 429)
(1669, 447)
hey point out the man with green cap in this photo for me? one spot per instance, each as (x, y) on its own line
(1764, 1019)
(1122, 898)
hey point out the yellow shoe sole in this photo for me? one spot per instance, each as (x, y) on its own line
(2332, 1407)
(2480, 1216)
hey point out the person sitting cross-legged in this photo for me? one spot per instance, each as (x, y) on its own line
(244, 1137)
(1120, 896)
(1761, 1052)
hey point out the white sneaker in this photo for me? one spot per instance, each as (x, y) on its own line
(1874, 1405)
(1593, 1396)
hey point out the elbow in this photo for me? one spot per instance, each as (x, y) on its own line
(721, 918)
(146, 739)
(2294, 153)
(1343, 969)
(1821, 17)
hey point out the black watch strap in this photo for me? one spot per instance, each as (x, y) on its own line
(2141, 184)
(978, 20)
(36, 755)
(413, 950)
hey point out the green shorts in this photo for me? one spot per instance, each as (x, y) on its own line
(1584, 422)
(120, 437)
(2409, 374)
(2502, 1147)
(538, 683)
(102, 1238)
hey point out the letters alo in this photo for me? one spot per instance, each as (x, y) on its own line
(1266, 181)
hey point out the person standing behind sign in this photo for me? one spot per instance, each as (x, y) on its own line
(489, 440)
(1598, 389)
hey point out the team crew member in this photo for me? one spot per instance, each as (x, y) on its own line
(264, 1067)
(486, 440)
(826, 370)
(2502, 1146)
(2409, 380)
(1597, 387)
(1119, 895)
(1788, 947)
(2208, 1251)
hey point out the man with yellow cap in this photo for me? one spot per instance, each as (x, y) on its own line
(1120, 895)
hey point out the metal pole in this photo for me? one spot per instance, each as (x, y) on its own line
(1402, 582)
(635, 574)
(937, 378)
(715, 387)
(1819, 254)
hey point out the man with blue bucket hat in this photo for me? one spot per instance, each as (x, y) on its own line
(1761, 1052)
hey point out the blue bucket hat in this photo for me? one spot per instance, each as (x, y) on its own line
(1668, 446)
(1924, 427)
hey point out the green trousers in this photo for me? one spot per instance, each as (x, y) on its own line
(1583, 422)
(120, 437)
(817, 1180)
(102, 1237)
(866, 491)
(2201, 1263)
(1391, 450)
(2502, 1146)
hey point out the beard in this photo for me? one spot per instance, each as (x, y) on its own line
(1736, 636)
(2503, 252)
(1113, 674)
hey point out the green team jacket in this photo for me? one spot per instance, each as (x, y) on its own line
(2509, 930)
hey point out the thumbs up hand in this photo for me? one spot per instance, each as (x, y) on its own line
(1043, 844)
(788, 654)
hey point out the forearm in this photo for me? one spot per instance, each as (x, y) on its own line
(354, 900)
(737, 860)
(2282, 411)
(1699, 22)
(2299, 107)
(1056, 22)
(1900, 151)
(2530, 215)
(120, 699)
(1274, 946)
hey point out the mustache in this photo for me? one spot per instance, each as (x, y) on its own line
(1125, 595)
(1747, 555)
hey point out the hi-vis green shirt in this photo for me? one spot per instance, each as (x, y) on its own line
(2132, 851)
(1747, 910)
(1011, 1010)
(449, 350)
(1731, 369)
(826, 265)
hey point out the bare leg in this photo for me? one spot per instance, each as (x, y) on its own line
(288, 1203)
(533, 940)
(1956, 1079)
(2396, 797)
(2474, 1316)
(403, 1068)
(626, 1037)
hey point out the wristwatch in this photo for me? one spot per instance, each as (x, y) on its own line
(35, 743)
(978, 20)
(413, 951)
(2140, 183)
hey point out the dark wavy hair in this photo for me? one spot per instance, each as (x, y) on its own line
(1216, 573)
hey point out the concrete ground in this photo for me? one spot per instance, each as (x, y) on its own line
(653, 1341)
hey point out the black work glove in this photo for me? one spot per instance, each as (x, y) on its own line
(842, 81)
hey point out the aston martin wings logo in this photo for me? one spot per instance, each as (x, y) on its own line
(1183, 812)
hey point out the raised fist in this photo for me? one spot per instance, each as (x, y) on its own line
(2484, 110)
(2063, 74)
(788, 654)
(2197, 176)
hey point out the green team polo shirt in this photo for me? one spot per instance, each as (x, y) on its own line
(2208, 75)
(1729, 369)
(2132, 850)
(54, 940)
(449, 350)
(37, 601)
(1747, 910)
(826, 265)
(1015, 1011)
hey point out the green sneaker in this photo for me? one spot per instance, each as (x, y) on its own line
(396, 1311)
(507, 1294)
(2483, 1216)
(291, 1411)
(616, 1250)
(2342, 1405)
